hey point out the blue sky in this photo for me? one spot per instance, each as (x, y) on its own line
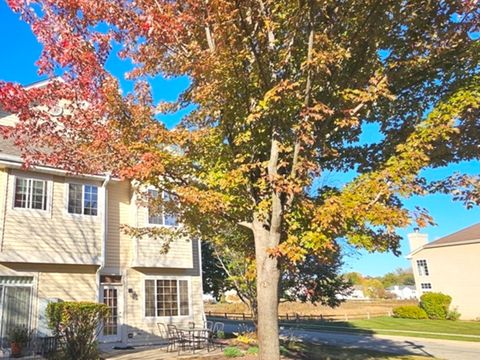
(20, 50)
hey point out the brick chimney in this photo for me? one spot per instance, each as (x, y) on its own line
(417, 240)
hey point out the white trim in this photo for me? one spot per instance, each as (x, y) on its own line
(164, 318)
(147, 219)
(16, 162)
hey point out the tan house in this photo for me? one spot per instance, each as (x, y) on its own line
(449, 265)
(60, 240)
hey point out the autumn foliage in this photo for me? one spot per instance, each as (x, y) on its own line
(282, 94)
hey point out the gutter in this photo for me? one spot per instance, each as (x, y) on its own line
(16, 162)
(104, 225)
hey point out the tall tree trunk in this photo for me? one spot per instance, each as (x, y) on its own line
(268, 275)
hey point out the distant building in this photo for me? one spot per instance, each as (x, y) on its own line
(402, 292)
(450, 265)
(356, 294)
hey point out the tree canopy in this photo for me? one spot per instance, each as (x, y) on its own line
(281, 93)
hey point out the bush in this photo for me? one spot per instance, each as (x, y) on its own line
(232, 351)
(252, 350)
(77, 325)
(409, 312)
(453, 315)
(435, 305)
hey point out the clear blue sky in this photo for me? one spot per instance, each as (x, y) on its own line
(19, 51)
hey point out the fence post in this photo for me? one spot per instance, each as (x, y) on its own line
(287, 316)
(226, 317)
(243, 315)
(346, 317)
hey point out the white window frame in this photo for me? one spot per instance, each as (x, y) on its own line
(67, 200)
(48, 197)
(177, 278)
(423, 266)
(147, 220)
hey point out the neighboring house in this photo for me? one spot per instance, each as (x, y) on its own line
(403, 292)
(60, 240)
(449, 265)
(355, 294)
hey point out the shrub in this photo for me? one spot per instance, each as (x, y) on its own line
(232, 351)
(19, 335)
(409, 312)
(252, 350)
(77, 325)
(248, 338)
(453, 315)
(435, 305)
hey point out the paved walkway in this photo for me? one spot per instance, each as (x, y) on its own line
(402, 345)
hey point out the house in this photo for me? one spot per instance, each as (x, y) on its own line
(449, 265)
(405, 292)
(355, 294)
(60, 240)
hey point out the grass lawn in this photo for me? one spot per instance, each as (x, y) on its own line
(436, 329)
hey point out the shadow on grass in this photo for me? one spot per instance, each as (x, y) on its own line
(336, 340)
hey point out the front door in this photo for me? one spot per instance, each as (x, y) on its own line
(112, 297)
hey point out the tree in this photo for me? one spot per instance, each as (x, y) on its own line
(311, 280)
(280, 93)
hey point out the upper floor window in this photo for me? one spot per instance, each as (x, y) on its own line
(82, 199)
(422, 267)
(159, 217)
(30, 193)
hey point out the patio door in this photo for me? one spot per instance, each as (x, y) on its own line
(15, 303)
(112, 297)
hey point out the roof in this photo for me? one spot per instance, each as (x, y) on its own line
(469, 234)
(7, 147)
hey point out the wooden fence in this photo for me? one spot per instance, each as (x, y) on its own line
(298, 317)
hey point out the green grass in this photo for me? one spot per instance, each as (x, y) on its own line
(435, 329)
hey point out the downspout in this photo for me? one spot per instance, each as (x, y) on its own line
(199, 242)
(103, 226)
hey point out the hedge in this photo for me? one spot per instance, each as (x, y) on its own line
(76, 326)
(409, 312)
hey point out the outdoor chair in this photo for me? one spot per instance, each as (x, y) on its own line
(218, 327)
(173, 337)
(208, 324)
(163, 332)
(191, 325)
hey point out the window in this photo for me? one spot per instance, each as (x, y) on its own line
(422, 267)
(166, 298)
(30, 194)
(160, 217)
(426, 286)
(82, 199)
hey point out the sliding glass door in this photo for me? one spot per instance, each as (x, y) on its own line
(15, 305)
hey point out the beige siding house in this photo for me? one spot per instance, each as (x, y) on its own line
(449, 265)
(60, 240)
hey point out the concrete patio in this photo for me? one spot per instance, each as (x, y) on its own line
(154, 352)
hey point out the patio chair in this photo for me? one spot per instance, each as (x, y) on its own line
(163, 331)
(173, 337)
(208, 324)
(218, 327)
(201, 339)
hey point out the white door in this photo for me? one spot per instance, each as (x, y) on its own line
(112, 296)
